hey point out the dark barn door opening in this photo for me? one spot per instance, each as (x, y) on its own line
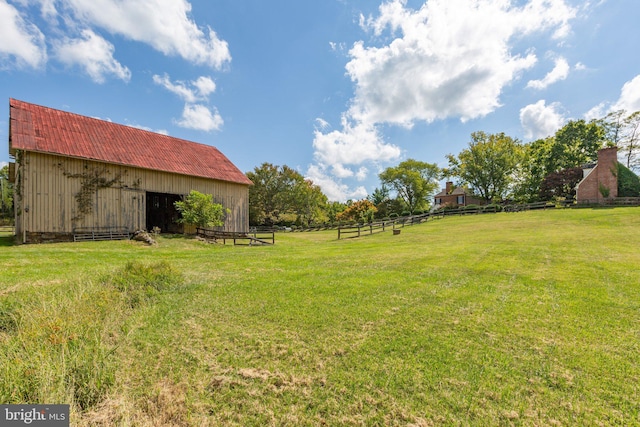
(162, 213)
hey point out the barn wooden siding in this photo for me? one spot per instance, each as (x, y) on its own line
(46, 200)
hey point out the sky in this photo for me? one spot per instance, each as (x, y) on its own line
(337, 89)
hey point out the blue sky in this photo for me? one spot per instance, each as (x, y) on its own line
(337, 89)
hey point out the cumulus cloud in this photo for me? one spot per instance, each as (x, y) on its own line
(629, 96)
(355, 144)
(189, 92)
(560, 72)
(199, 117)
(629, 101)
(22, 44)
(333, 188)
(540, 120)
(195, 115)
(93, 54)
(447, 59)
(165, 25)
(450, 58)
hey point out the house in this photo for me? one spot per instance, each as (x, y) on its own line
(600, 181)
(75, 173)
(455, 196)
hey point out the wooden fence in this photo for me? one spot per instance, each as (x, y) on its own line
(358, 230)
(253, 237)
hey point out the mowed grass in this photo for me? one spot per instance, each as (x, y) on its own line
(528, 318)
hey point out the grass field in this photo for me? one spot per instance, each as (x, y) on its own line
(528, 318)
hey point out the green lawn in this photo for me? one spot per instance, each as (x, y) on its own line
(528, 318)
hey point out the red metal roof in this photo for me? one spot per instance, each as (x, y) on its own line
(46, 130)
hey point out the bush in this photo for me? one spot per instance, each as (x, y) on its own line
(494, 207)
(628, 182)
(199, 209)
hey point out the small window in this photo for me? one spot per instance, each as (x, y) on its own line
(461, 200)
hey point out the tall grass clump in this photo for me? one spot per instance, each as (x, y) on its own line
(139, 282)
(59, 343)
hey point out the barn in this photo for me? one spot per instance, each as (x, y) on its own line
(75, 175)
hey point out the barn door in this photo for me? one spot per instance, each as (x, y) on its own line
(162, 213)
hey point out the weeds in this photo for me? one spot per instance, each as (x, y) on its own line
(139, 283)
(59, 343)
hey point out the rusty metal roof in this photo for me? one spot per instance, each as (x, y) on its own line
(46, 130)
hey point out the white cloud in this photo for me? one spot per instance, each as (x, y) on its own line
(333, 188)
(540, 120)
(322, 124)
(629, 96)
(22, 44)
(199, 117)
(450, 58)
(194, 115)
(362, 173)
(355, 144)
(189, 92)
(340, 171)
(629, 101)
(165, 25)
(560, 72)
(597, 112)
(447, 59)
(92, 53)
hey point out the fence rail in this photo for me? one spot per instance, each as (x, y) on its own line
(253, 237)
(358, 230)
(101, 233)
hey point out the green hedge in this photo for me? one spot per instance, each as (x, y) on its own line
(628, 182)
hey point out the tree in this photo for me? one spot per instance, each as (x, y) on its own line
(380, 199)
(199, 209)
(488, 165)
(310, 202)
(630, 141)
(279, 193)
(560, 184)
(362, 211)
(576, 144)
(414, 182)
(270, 194)
(6, 194)
(531, 170)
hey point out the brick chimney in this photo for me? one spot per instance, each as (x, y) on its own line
(449, 187)
(602, 181)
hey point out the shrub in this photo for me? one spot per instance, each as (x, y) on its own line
(199, 209)
(628, 182)
(494, 207)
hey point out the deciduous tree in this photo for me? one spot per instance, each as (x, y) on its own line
(487, 165)
(414, 182)
(361, 210)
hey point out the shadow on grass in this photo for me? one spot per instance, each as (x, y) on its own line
(7, 239)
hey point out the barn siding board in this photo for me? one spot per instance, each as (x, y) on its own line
(49, 203)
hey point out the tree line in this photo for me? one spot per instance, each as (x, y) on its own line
(493, 167)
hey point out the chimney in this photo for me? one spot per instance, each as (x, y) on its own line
(449, 187)
(608, 171)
